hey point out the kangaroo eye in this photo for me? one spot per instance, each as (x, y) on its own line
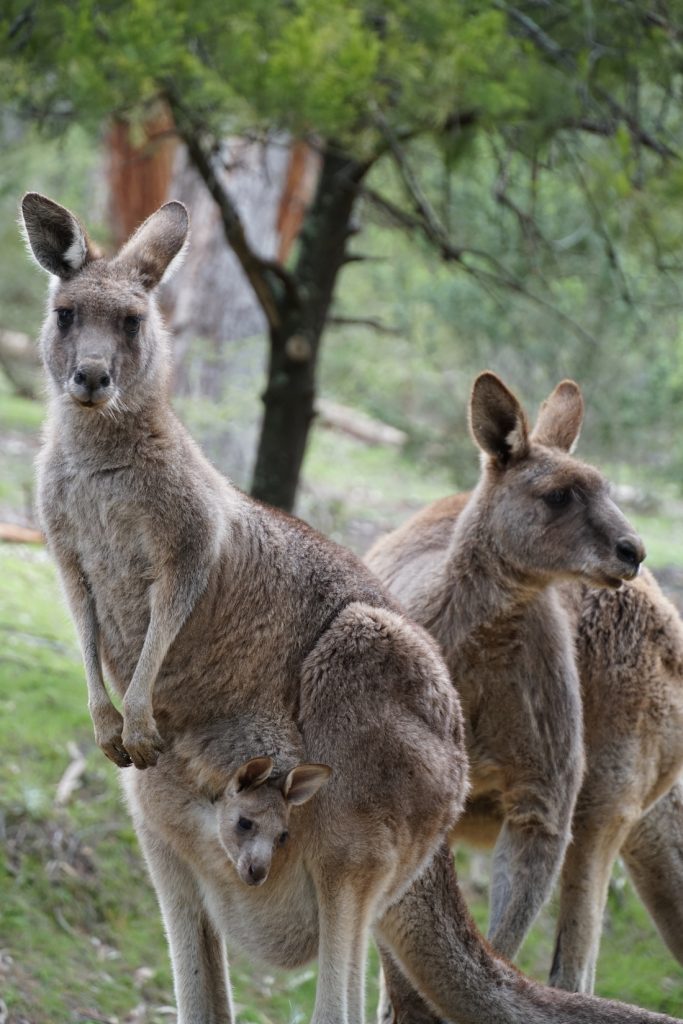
(244, 824)
(284, 836)
(559, 498)
(131, 325)
(65, 318)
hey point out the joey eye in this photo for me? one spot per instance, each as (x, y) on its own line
(558, 498)
(244, 824)
(284, 836)
(131, 325)
(65, 318)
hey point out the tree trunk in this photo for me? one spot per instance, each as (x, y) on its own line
(295, 341)
(139, 170)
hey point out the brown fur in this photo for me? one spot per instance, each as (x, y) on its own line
(515, 673)
(630, 659)
(203, 604)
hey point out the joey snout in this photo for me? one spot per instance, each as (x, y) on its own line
(253, 858)
(252, 869)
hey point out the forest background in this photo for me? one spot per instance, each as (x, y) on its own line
(386, 199)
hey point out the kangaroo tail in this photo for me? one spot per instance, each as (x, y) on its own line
(430, 934)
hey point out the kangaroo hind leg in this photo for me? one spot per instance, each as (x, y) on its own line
(197, 950)
(653, 854)
(344, 918)
(583, 895)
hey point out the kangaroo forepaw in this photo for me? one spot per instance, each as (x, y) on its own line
(142, 741)
(108, 725)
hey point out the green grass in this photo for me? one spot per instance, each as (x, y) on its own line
(20, 420)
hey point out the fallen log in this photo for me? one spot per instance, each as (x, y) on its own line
(12, 533)
(358, 424)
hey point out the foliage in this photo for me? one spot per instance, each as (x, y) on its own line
(360, 72)
(532, 147)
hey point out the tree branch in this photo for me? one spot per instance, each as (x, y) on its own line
(560, 56)
(451, 253)
(362, 321)
(258, 271)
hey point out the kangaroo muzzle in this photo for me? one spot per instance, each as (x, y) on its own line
(91, 382)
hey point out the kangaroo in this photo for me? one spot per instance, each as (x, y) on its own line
(482, 588)
(252, 799)
(630, 655)
(202, 604)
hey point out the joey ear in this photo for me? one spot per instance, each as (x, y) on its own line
(55, 236)
(156, 243)
(498, 423)
(252, 774)
(304, 781)
(560, 417)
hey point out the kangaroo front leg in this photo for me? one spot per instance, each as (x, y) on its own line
(526, 860)
(197, 951)
(172, 597)
(107, 722)
(653, 854)
(583, 894)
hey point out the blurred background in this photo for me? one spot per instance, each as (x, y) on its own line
(386, 198)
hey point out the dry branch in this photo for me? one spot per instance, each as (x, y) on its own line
(358, 424)
(12, 533)
(71, 779)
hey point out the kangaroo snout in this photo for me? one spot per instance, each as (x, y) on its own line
(631, 551)
(253, 872)
(90, 382)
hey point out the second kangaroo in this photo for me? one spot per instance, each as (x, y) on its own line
(481, 586)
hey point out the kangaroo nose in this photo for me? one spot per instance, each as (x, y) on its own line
(256, 873)
(630, 550)
(90, 376)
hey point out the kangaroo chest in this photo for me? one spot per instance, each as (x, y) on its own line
(91, 518)
(520, 696)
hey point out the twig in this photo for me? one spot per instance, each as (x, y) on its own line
(449, 252)
(362, 321)
(71, 779)
(610, 248)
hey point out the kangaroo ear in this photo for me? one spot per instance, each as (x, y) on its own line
(560, 417)
(498, 423)
(304, 781)
(156, 243)
(252, 774)
(55, 236)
